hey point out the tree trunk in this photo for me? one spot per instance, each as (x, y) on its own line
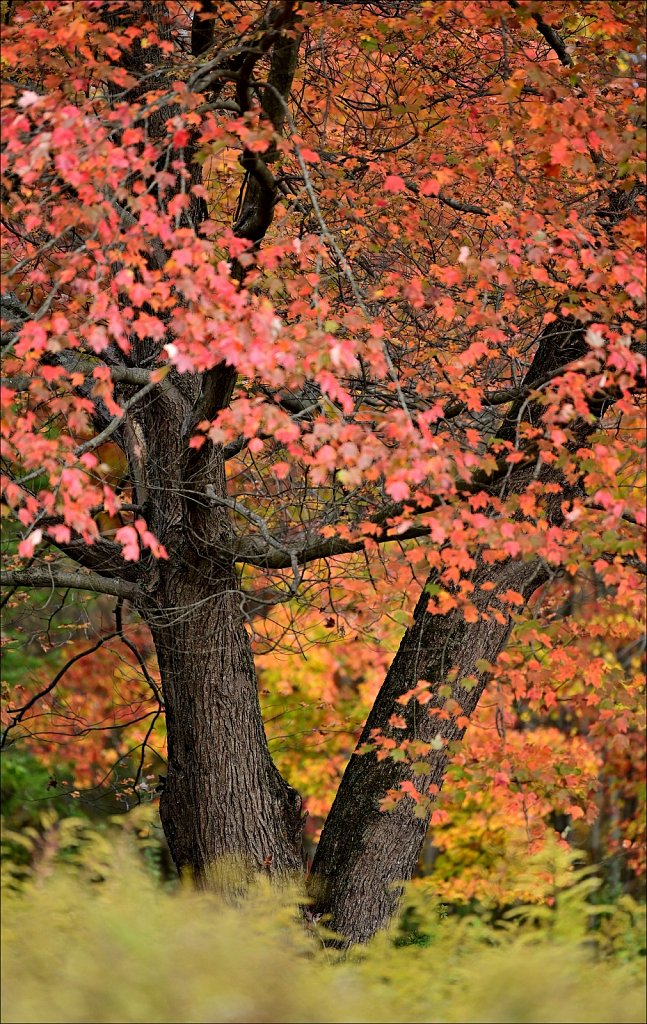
(222, 796)
(365, 852)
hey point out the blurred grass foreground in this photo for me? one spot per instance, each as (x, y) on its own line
(91, 934)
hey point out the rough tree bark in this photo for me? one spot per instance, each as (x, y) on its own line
(364, 852)
(222, 796)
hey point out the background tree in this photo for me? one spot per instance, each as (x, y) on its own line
(321, 304)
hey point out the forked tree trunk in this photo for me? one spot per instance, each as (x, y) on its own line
(222, 797)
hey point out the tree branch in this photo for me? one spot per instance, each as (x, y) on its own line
(17, 714)
(259, 191)
(104, 557)
(50, 576)
(551, 36)
(203, 27)
(120, 375)
(98, 439)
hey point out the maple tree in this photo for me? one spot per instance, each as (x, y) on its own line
(335, 308)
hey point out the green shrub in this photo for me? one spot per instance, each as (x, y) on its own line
(90, 935)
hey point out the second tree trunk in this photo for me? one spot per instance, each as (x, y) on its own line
(364, 852)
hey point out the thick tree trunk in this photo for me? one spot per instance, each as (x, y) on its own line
(222, 796)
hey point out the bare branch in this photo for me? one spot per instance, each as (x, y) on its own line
(103, 556)
(51, 576)
(17, 714)
(551, 36)
(322, 547)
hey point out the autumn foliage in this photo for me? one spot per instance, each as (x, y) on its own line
(342, 307)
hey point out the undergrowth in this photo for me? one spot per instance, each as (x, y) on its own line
(91, 933)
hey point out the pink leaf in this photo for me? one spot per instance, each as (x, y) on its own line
(129, 538)
(394, 183)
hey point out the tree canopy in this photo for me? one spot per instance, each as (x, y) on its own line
(320, 321)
